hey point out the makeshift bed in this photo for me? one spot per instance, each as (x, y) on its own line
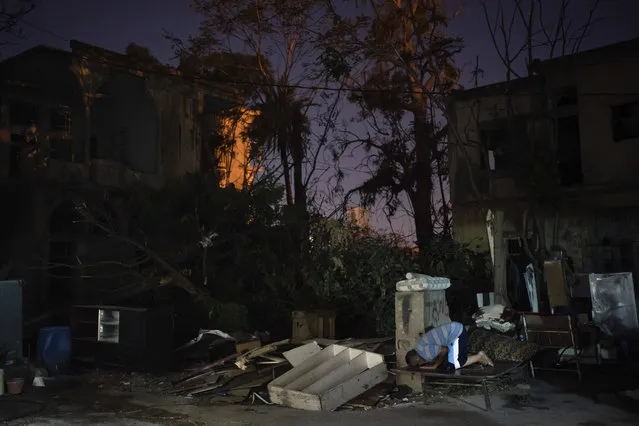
(477, 376)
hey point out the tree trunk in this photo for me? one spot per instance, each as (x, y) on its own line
(421, 196)
(297, 148)
(286, 170)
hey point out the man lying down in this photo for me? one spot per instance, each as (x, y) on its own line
(444, 348)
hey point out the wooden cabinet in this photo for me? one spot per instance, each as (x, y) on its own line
(132, 338)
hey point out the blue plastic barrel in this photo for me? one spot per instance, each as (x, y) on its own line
(54, 348)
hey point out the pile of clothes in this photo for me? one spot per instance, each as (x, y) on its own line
(495, 317)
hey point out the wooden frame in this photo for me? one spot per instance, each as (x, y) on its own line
(551, 332)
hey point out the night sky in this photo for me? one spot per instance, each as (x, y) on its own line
(116, 23)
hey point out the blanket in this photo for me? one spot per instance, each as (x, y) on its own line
(500, 347)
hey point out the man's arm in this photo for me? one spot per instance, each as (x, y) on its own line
(438, 361)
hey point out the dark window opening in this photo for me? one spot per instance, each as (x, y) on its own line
(22, 114)
(568, 97)
(613, 256)
(61, 148)
(502, 139)
(569, 151)
(61, 276)
(516, 246)
(61, 119)
(494, 141)
(179, 140)
(625, 121)
(15, 151)
(119, 142)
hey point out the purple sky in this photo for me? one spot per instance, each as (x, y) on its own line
(116, 23)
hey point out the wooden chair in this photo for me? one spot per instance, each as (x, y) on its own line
(551, 332)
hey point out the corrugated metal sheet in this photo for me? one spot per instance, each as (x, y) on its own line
(11, 317)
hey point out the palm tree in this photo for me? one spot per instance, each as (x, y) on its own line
(282, 128)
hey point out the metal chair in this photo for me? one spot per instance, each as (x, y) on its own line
(551, 332)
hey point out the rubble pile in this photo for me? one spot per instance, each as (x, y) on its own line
(253, 367)
(243, 375)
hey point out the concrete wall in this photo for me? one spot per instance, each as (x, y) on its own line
(26, 82)
(603, 160)
(603, 82)
(602, 79)
(124, 123)
(179, 107)
(466, 152)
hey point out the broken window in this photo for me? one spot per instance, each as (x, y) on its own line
(625, 121)
(569, 151)
(61, 119)
(502, 139)
(568, 96)
(568, 138)
(61, 148)
(22, 114)
(494, 141)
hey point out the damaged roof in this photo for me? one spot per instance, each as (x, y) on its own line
(566, 61)
(113, 59)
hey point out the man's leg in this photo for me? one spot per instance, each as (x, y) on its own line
(466, 359)
(480, 357)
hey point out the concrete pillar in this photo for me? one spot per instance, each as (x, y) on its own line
(414, 311)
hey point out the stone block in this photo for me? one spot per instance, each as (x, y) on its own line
(414, 311)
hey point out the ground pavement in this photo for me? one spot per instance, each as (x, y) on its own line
(544, 404)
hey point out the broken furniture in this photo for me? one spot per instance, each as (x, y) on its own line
(328, 379)
(550, 331)
(11, 319)
(225, 373)
(476, 376)
(556, 284)
(414, 311)
(312, 324)
(248, 345)
(614, 307)
(133, 338)
(298, 355)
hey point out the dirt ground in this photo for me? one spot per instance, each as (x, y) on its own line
(602, 399)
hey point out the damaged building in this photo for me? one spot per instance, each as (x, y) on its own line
(93, 121)
(563, 142)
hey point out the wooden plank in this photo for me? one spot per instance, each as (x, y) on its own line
(242, 360)
(243, 347)
(205, 369)
(556, 283)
